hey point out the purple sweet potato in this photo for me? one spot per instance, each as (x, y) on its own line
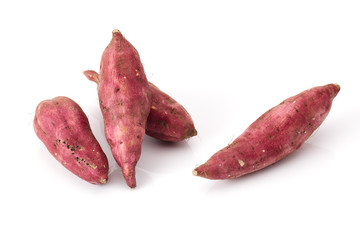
(64, 128)
(125, 100)
(274, 135)
(168, 120)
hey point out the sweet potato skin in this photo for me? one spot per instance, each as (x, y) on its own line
(125, 99)
(168, 120)
(63, 127)
(274, 135)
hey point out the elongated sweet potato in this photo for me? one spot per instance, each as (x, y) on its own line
(64, 128)
(125, 99)
(168, 120)
(274, 135)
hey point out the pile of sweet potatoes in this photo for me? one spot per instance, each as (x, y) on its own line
(132, 107)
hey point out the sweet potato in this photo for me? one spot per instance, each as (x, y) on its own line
(274, 135)
(64, 128)
(168, 120)
(125, 99)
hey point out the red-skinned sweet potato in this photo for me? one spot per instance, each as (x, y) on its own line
(64, 128)
(125, 99)
(168, 120)
(274, 135)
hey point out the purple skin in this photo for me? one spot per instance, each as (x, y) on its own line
(274, 135)
(64, 128)
(125, 100)
(168, 120)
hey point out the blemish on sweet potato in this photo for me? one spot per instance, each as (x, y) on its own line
(241, 162)
(65, 138)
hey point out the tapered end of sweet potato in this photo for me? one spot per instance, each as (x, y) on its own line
(191, 133)
(216, 168)
(116, 31)
(333, 89)
(129, 175)
(117, 34)
(202, 171)
(91, 75)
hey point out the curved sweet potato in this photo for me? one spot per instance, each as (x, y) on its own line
(274, 135)
(125, 99)
(168, 120)
(64, 128)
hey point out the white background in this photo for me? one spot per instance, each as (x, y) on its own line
(226, 62)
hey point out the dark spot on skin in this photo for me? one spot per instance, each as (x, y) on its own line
(68, 146)
(296, 110)
(117, 89)
(138, 136)
(164, 124)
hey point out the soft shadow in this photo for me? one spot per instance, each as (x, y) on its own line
(165, 157)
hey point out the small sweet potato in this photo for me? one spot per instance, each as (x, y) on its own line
(274, 135)
(168, 120)
(64, 128)
(125, 100)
